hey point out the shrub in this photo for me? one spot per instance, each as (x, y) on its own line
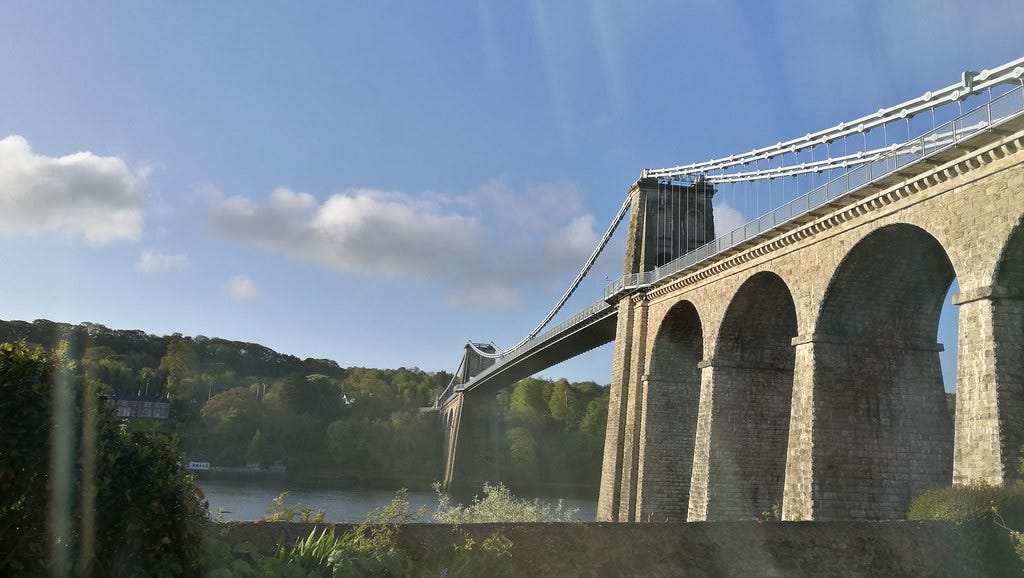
(499, 505)
(970, 503)
(990, 513)
(25, 403)
(80, 493)
(370, 549)
(150, 518)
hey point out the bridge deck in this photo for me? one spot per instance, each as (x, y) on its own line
(593, 327)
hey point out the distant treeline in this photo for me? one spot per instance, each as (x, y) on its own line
(236, 403)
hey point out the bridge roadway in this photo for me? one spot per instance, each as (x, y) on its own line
(590, 328)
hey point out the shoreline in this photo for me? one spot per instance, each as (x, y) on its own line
(242, 474)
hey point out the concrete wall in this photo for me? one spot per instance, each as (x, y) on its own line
(825, 330)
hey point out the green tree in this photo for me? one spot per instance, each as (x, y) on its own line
(258, 451)
(179, 363)
(372, 395)
(316, 395)
(522, 454)
(562, 404)
(230, 420)
(595, 418)
(527, 404)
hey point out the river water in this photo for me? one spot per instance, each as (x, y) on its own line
(249, 500)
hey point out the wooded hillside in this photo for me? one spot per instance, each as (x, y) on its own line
(237, 403)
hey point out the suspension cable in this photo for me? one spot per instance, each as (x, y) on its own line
(568, 292)
(971, 83)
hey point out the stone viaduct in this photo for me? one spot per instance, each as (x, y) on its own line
(801, 370)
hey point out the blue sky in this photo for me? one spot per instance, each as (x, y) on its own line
(377, 182)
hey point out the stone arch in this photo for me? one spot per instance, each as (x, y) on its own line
(1009, 273)
(671, 394)
(752, 388)
(882, 432)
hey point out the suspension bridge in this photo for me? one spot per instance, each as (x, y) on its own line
(840, 186)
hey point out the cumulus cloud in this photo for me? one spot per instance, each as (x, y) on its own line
(494, 244)
(361, 230)
(155, 262)
(79, 195)
(241, 287)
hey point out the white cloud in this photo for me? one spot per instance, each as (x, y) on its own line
(155, 262)
(494, 245)
(241, 287)
(364, 230)
(79, 195)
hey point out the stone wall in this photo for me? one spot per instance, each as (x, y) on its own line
(704, 549)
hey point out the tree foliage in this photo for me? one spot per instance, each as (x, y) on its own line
(553, 434)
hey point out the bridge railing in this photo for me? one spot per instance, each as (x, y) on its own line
(997, 111)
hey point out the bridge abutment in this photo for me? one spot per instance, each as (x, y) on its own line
(700, 475)
(652, 413)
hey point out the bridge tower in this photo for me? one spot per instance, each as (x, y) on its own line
(667, 220)
(470, 428)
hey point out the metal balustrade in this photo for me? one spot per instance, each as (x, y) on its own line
(985, 117)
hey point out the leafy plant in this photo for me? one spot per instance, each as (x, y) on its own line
(489, 557)
(312, 553)
(772, 515)
(225, 560)
(280, 511)
(994, 512)
(370, 548)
